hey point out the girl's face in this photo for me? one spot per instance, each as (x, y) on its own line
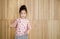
(23, 14)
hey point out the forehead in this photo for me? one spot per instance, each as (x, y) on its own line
(23, 11)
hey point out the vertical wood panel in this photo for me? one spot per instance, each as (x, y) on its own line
(44, 16)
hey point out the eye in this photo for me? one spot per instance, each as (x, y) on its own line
(24, 13)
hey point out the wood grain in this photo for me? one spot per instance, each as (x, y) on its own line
(44, 16)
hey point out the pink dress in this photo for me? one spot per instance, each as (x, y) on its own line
(22, 26)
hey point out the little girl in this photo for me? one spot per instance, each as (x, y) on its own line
(22, 24)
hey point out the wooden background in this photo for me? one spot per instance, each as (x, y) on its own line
(44, 16)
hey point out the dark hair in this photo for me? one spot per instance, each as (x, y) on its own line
(23, 7)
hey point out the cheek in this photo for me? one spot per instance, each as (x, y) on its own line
(24, 14)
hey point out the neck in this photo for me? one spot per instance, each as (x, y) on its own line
(23, 18)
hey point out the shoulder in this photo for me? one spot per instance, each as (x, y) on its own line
(27, 20)
(17, 19)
